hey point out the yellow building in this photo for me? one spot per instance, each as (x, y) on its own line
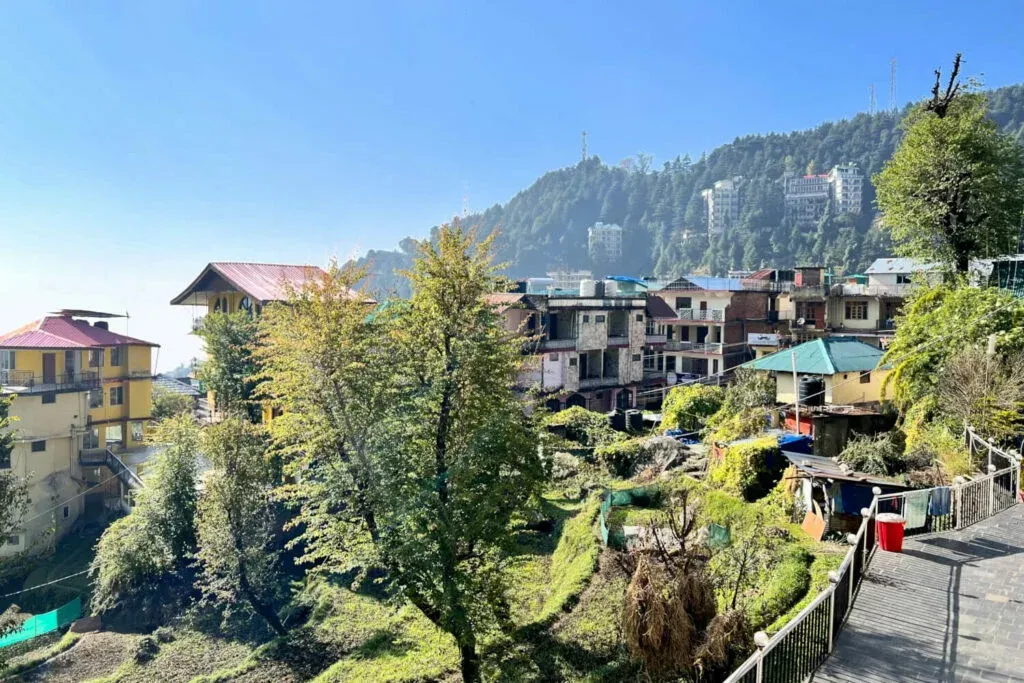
(81, 394)
(848, 368)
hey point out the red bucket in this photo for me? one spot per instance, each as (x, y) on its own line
(890, 531)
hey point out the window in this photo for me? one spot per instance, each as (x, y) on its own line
(865, 378)
(245, 305)
(116, 396)
(639, 317)
(115, 357)
(902, 279)
(586, 318)
(553, 356)
(856, 310)
(96, 358)
(683, 302)
(96, 398)
(114, 436)
(636, 357)
(91, 439)
(39, 446)
(598, 318)
(67, 512)
(50, 397)
(13, 540)
(6, 363)
(137, 432)
(572, 362)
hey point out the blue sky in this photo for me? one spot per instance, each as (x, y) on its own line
(140, 140)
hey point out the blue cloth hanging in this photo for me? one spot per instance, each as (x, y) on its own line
(940, 503)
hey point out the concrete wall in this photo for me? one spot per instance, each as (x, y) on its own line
(593, 335)
(846, 388)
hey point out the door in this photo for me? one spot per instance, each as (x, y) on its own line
(69, 364)
(583, 366)
(49, 368)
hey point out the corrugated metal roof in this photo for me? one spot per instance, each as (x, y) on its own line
(263, 282)
(175, 385)
(659, 309)
(503, 301)
(707, 282)
(827, 468)
(900, 265)
(54, 332)
(825, 356)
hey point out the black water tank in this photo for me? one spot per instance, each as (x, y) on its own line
(811, 391)
(634, 420)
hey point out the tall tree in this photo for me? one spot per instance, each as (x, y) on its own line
(14, 500)
(229, 370)
(463, 457)
(954, 189)
(238, 554)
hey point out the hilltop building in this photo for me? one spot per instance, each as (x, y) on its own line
(604, 242)
(82, 395)
(807, 197)
(722, 205)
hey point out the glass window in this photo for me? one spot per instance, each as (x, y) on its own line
(39, 446)
(636, 356)
(137, 431)
(96, 358)
(115, 356)
(91, 439)
(116, 396)
(13, 540)
(865, 378)
(586, 318)
(96, 398)
(114, 435)
(856, 310)
(599, 319)
(67, 512)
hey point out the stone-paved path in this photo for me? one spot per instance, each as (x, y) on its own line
(950, 608)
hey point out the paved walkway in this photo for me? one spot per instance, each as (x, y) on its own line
(950, 608)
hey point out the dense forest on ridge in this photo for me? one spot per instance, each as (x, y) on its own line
(661, 211)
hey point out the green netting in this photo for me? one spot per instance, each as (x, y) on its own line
(718, 535)
(641, 496)
(44, 623)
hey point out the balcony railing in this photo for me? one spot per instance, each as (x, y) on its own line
(697, 347)
(104, 457)
(595, 382)
(714, 315)
(28, 382)
(618, 340)
(558, 344)
(804, 292)
(653, 339)
(197, 323)
(894, 291)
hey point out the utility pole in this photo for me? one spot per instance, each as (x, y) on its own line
(583, 151)
(796, 390)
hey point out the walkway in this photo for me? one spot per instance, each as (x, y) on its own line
(950, 608)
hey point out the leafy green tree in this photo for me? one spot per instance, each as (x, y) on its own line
(141, 571)
(167, 403)
(238, 555)
(688, 407)
(229, 370)
(954, 189)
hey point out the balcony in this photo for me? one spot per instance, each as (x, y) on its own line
(20, 382)
(197, 323)
(655, 339)
(104, 457)
(558, 344)
(618, 341)
(808, 292)
(597, 382)
(891, 291)
(694, 347)
(710, 315)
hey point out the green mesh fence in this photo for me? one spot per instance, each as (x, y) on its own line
(44, 623)
(640, 496)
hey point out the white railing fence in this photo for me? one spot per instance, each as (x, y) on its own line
(792, 654)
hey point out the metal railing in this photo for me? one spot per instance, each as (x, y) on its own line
(802, 645)
(104, 457)
(716, 315)
(655, 339)
(592, 382)
(30, 382)
(698, 347)
(558, 344)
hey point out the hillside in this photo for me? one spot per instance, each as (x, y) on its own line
(661, 211)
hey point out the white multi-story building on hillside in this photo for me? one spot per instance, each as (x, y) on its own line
(604, 242)
(807, 197)
(847, 185)
(722, 205)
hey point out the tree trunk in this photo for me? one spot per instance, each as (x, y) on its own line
(469, 659)
(261, 608)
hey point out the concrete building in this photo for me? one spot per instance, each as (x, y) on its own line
(568, 279)
(604, 243)
(587, 347)
(82, 396)
(807, 197)
(722, 205)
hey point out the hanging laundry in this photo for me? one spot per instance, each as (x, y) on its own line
(940, 503)
(915, 509)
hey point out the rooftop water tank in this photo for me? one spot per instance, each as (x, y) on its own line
(588, 288)
(611, 287)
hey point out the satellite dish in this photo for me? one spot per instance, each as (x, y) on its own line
(801, 321)
(671, 378)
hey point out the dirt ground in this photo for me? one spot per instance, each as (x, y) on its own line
(94, 656)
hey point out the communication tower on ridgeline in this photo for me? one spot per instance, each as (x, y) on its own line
(583, 151)
(892, 84)
(871, 100)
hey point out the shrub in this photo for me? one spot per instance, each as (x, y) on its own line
(935, 444)
(786, 585)
(622, 458)
(873, 455)
(748, 469)
(564, 466)
(573, 562)
(688, 407)
(145, 649)
(584, 426)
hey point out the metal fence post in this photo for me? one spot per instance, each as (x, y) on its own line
(833, 579)
(958, 502)
(991, 484)
(761, 640)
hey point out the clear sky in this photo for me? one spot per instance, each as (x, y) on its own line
(140, 140)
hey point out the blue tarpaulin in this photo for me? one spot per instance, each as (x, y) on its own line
(796, 443)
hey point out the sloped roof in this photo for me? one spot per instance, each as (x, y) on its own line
(174, 385)
(659, 309)
(825, 356)
(59, 332)
(827, 468)
(900, 265)
(506, 300)
(263, 282)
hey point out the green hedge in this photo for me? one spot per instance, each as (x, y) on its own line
(786, 585)
(621, 458)
(749, 469)
(584, 426)
(687, 407)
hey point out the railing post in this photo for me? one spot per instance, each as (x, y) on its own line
(991, 484)
(833, 579)
(958, 502)
(761, 640)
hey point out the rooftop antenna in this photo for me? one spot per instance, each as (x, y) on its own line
(465, 200)
(583, 154)
(871, 102)
(892, 84)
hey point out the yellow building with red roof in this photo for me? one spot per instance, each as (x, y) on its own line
(81, 394)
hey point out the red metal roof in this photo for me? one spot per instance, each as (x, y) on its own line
(261, 281)
(57, 332)
(503, 301)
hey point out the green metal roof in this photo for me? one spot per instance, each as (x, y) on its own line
(825, 356)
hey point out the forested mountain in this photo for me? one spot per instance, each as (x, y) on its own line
(661, 211)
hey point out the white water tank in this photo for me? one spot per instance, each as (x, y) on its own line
(611, 287)
(588, 288)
